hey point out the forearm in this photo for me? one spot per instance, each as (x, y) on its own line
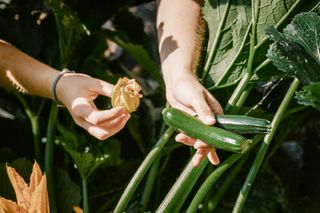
(21, 72)
(178, 22)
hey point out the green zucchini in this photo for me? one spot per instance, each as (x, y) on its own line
(243, 124)
(211, 135)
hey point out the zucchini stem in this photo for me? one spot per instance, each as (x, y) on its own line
(263, 148)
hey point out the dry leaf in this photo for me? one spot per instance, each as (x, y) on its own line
(126, 93)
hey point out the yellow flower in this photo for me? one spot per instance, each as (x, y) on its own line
(32, 198)
(126, 93)
(77, 209)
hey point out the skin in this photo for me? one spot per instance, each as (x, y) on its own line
(177, 24)
(76, 91)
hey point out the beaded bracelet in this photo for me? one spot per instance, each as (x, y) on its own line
(54, 86)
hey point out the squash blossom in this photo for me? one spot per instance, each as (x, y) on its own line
(32, 198)
(126, 93)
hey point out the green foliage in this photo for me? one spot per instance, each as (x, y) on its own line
(310, 95)
(296, 52)
(236, 70)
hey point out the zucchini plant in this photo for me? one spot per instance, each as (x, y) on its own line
(236, 64)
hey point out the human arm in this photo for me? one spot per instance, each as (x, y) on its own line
(177, 24)
(76, 91)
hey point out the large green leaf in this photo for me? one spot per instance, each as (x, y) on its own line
(296, 51)
(291, 58)
(228, 24)
(305, 30)
(88, 155)
(233, 26)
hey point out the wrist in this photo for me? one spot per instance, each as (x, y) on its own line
(54, 88)
(176, 73)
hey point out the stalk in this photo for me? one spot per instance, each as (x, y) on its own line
(247, 76)
(213, 177)
(226, 184)
(264, 147)
(85, 200)
(149, 184)
(49, 156)
(145, 165)
(182, 187)
(34, 121)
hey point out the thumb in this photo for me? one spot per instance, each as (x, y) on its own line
(204, 112)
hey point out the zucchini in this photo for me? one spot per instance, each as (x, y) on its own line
(211, 135)
(243, 124)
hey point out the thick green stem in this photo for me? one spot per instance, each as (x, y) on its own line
(213, 177)
(226, 184)
(49, 155)
(85, 199)
(145, 165)
(149, 184)
(263, 148)
(247, 76)
(182, 187)
(36, 138)
(34, 120)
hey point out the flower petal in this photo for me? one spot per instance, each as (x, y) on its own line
(126, 93)
(39, 199)
(8, 206)
(35, 177)
(20, 187)
(77, 209)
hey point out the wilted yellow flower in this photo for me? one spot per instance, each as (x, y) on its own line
(126, 93)
(32, 198)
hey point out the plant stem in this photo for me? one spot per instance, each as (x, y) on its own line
(247, 76)
(263, 148)
(226, 184)
(34, 121)
(181, 188)
(49, 155)
(149, 184)
(213, 177)
(143, 168)
(85, 200)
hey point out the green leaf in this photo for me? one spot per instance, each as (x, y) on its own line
(70, 29)
(310, 95)
(142, 56)
(228, 25)
(86, 163)
(305, 30)
(295, 51)
(234, 26)
(88, 154)
(68, 193)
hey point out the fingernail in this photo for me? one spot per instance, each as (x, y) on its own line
(195, 162)
(209, 120)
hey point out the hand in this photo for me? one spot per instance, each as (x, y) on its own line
(77, 92)
(186, 93)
